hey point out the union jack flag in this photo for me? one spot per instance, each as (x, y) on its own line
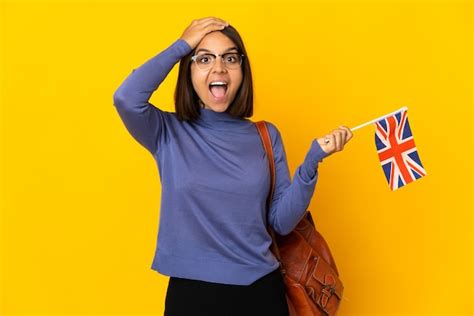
(397, 151)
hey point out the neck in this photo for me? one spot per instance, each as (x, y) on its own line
(221, 120)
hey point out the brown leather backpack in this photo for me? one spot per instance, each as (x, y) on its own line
(309, 272)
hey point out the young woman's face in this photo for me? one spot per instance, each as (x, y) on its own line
(216, 98)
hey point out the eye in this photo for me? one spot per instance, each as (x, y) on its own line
(231, 58)
(204, 59)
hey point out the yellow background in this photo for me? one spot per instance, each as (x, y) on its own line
(80, 198)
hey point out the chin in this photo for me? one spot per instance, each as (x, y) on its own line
(218, 107)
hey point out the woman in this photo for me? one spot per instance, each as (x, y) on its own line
(212, 238)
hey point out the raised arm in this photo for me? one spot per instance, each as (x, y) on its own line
(144, 121)
(291, 198)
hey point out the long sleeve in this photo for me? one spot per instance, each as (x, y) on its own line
(291, 198)
(144, 121)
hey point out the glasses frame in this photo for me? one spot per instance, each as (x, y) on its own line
(193, 59)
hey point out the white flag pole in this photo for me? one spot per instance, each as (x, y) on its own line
(378, 119)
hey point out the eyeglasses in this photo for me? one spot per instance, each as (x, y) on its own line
(206, 61)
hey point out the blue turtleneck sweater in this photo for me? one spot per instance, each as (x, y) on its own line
(215, 180)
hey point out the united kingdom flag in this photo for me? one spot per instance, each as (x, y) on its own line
(397, 151)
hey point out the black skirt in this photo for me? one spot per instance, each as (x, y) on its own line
(265, 296)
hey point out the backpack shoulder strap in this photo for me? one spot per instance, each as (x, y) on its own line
(267, 144)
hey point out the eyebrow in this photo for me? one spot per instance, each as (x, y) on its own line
(206, 50)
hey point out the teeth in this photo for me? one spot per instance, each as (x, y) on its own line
(215, 83)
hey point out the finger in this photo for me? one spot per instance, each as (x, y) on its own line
(204, 20)
(212, 26)
(223, 21)
(348, 135)
(343, 140)
(338, 137)
(213, 20)
(220, 20)
(344, 136)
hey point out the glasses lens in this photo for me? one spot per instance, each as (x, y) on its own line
(232, 60)
(205, 61)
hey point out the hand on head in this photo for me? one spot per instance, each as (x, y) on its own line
(199, 28)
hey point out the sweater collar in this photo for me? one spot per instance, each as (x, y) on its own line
(222, 120)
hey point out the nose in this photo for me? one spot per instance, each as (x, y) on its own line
(219, 65)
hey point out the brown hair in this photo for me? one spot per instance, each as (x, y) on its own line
(187, 100)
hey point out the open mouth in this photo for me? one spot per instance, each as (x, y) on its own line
(218, 89)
